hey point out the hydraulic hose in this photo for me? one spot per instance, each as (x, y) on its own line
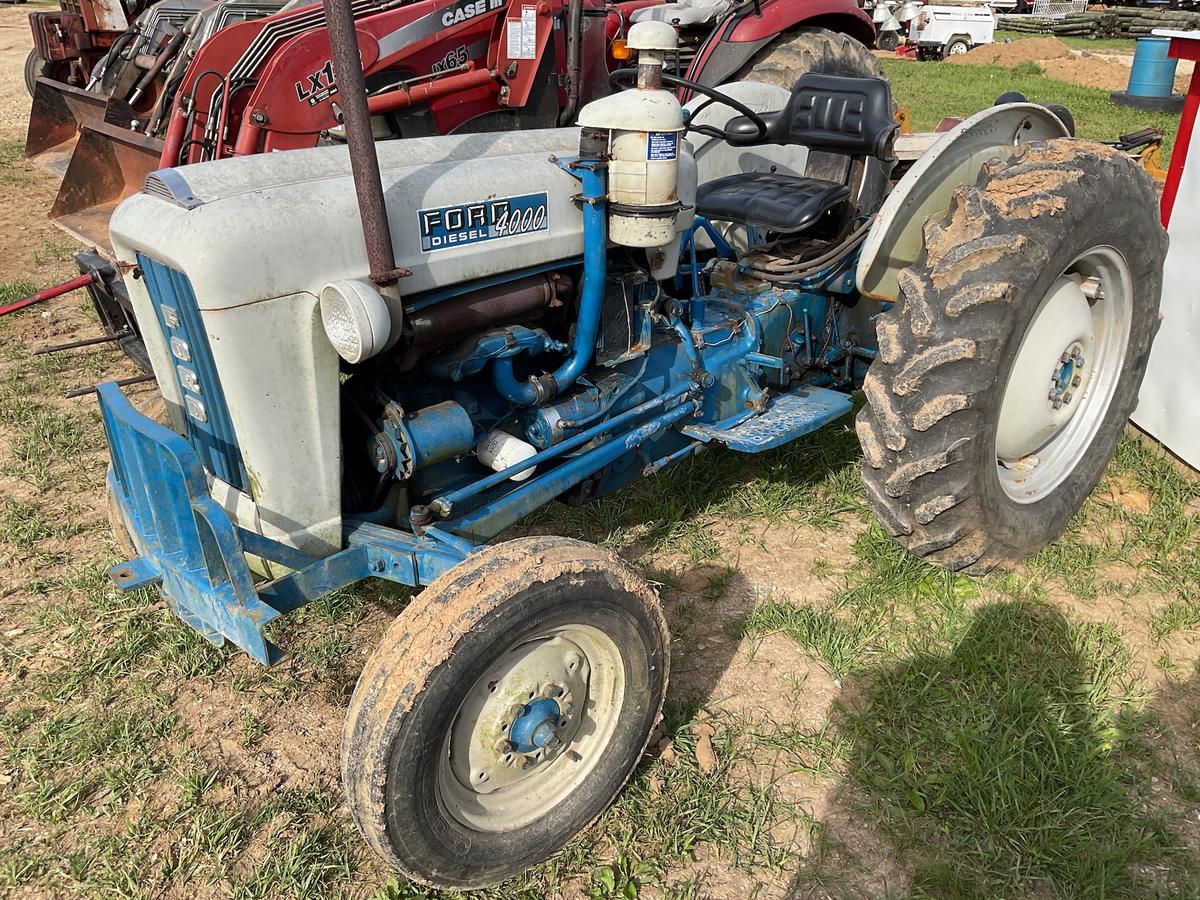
(792, 270)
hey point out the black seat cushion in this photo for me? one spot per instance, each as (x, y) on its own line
(830, 113)
(783, 203)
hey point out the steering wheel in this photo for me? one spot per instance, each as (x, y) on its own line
(714, 96)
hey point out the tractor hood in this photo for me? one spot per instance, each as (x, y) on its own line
(460, 207)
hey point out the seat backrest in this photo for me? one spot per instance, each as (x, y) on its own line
(830, 113)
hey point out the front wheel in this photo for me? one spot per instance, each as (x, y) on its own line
(1012, 360)
(504, 710)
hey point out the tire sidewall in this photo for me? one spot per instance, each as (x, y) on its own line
(34, 66)
(426, 838)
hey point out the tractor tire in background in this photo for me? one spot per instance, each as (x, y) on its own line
(34, 66)
(824, 52)
(1012, 360)
(503, 710)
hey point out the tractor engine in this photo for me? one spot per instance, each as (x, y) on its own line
(545, 316)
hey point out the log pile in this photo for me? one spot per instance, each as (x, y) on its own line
(1128, 22)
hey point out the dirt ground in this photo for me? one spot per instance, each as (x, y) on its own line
(221, 779)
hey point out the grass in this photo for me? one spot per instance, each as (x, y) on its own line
(1100, 45)
(1000, 767)
(931, 91)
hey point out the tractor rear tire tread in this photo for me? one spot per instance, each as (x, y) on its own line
(811, 50)
(935, 388)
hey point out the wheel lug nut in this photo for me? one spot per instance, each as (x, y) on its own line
(1076, 381)
(517, 711)
(504, 746)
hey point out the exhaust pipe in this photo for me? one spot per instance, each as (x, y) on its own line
(364, 162)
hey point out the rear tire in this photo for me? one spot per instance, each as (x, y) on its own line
(441, 776)
(824, 52)
(939, 415)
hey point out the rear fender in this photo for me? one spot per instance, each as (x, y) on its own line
(924, 193)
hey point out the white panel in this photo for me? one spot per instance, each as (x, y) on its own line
(1170, 402)
(280, 378)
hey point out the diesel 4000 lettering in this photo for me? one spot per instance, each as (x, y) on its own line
(470, 223)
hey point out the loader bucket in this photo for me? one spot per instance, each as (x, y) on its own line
(58, 112)
(109, 164)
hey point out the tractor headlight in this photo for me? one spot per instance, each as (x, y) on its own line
(356, 319)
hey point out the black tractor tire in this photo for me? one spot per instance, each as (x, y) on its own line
(887, 40)
(824, 52)
(947, 349)
(34, 66)
(431, 663)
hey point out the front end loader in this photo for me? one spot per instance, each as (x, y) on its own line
(377, 358)
(85, 71)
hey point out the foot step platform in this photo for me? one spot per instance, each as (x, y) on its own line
(787, 417)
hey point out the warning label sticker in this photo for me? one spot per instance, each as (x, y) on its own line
(662, 145)
(521, 42)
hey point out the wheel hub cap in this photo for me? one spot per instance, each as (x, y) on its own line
(536, 728)
(521, 716)
(1050, 372)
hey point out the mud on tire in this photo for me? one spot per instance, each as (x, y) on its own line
(948, 346)
(441, 652)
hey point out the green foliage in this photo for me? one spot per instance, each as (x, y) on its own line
(998, 766)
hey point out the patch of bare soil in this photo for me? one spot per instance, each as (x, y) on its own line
(1009, 55)
(1105, 71)
(15, 43)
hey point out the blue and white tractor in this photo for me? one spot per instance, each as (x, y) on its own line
(377, 360)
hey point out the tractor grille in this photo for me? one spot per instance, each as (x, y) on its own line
(207, 415)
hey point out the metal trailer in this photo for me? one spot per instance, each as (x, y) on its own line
(941, 31)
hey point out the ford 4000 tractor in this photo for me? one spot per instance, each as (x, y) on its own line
(378, 358)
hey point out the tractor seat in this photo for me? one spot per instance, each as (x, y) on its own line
(851, 117)
(782, 203)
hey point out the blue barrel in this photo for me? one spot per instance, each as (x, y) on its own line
(1153, 72)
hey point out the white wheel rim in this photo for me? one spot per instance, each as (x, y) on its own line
(532, 729)
(957, 49)
(1064, 376)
